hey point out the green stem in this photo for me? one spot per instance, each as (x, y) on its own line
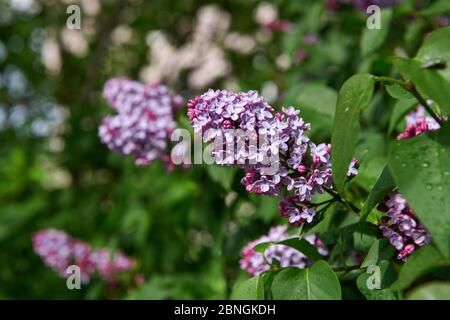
(323, 202)
(389, 79)
(342, 200)
(412, 89)
(324, 209)
(424, 103)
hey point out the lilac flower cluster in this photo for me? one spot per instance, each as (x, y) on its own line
(417, 122)
(401, 226)
(304, 168)
(255, 263)
(59, 250)
(144, 121)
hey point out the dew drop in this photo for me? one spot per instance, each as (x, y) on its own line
(425, 165)
(429, 187)
(439, 188)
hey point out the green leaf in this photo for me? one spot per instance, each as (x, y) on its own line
(267, 208)
(413, 34)
(371, 153)
(155, 289)
(436, 44)
(436, 8)
(250, 289)
(380, 250)
(319, 99)
(400, 110)
(354, 96)
(421, 170)
(418, 264)
(387, 277)
(431, 291)
(317, 103)
(362, 242)
(372, 39)
(299, 244)
(384, 184)
(429, 82)
(267, 279)
(11, 221)
(222, 175)
(398, 92)
(436, 47)
(316, 283)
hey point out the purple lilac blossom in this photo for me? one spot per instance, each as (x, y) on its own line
(418, 122)
(109, 264)
(58, 251)
(144, 120)
(310, 39)
(304, 168)
(401, 226)
(254, 262)
(301, 55)
(353, 168)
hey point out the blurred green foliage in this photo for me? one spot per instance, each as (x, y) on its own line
(185, 228)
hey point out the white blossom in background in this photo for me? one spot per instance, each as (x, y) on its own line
(265, 13)
(202, 55)
(122, 35)
(51, 55)
(75, 42)
(283, 61)
(240, 43)
(27, 6)
(91, 7)
(269, 91)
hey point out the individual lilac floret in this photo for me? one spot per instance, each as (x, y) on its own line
(284, 158)
(254, 263)
(144, 121)
(353, 168)
(59, 250)
(401, 226)
(418, 122)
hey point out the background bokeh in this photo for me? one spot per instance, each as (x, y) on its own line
(184, 228)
